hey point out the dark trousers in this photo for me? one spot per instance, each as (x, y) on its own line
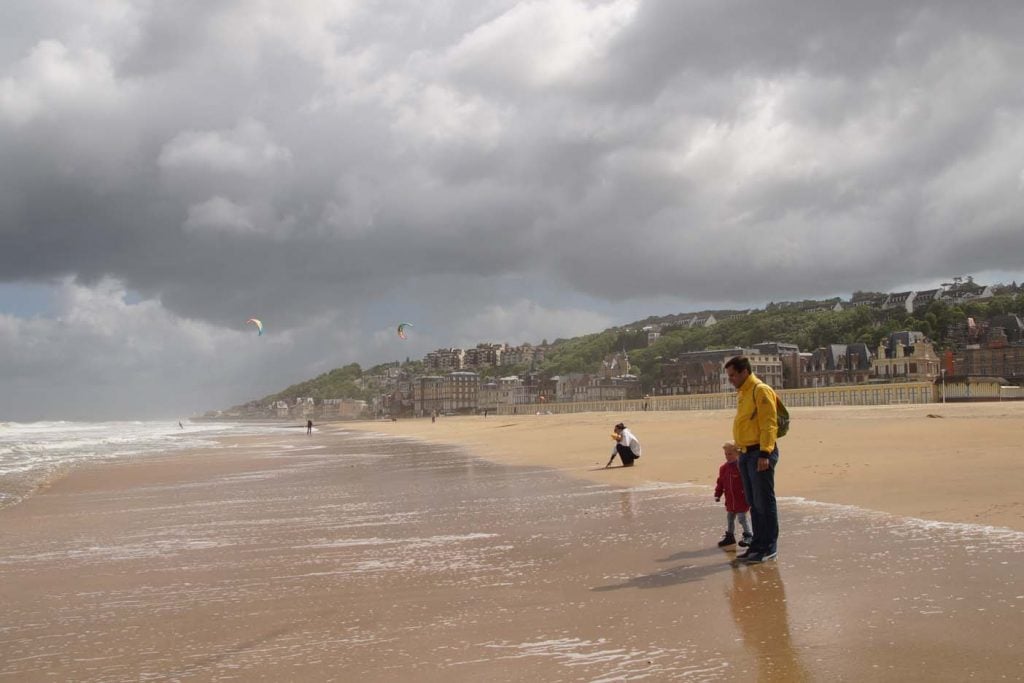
(626, 454)
(759, 488)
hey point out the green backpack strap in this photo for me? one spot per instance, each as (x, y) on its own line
(781, 415)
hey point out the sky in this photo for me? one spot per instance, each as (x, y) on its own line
(489, 170)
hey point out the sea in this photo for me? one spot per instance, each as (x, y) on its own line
(34, 453)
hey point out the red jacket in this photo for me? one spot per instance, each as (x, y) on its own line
(730, 483)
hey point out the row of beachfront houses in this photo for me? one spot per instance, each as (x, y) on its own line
(493, 355)
(992, 348)
(904, 356)
(992, 351)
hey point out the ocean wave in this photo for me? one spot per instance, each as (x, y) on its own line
(31, 453)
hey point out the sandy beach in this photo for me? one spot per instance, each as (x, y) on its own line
(957, 462)
(349, 555)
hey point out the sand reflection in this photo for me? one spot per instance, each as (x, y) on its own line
(757, 600)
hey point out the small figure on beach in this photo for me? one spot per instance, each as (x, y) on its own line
(754, 431)
(433, 416)
(309, 427)
(627, 446)
(731, 485)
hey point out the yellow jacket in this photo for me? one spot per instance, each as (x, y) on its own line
(749, 428)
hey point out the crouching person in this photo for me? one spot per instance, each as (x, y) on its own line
(627, 446)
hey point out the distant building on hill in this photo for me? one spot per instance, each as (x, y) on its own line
(444, 359)
(789, 356)
(925, 298)
(1004, 361)
(482, 356)
(524, 354)
(1011, 325)
(835, 364)
(808, 305)
(903, 300)
(961, 291)
(703, 372)
(869, 299)
(905, 356)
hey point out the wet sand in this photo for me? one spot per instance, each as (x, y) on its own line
(351, 557)
(949, 463)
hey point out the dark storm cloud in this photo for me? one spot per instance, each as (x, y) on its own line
(204, 139)
(317, 159)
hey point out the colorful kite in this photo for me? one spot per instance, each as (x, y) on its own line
(401, 329)
(258, 324)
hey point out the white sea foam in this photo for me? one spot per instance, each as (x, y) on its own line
(963, 530)
(31, 452)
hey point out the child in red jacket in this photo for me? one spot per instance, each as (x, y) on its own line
(736, 507)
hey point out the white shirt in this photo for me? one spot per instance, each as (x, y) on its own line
(626, 438)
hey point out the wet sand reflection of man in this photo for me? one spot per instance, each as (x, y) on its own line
(757, 600)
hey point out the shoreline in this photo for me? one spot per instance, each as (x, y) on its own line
(951, 463)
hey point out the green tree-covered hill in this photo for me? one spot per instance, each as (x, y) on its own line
(807, 329)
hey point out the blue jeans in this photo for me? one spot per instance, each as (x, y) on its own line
(730, 523)
(759, 488)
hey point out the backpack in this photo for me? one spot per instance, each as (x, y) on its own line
(782, 416)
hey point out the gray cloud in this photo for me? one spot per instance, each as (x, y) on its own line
(325, 161)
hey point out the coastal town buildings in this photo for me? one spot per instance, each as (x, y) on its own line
(428, 395)
(460, 392)
(834, 364)
(1006, 362)
(454, 380)
(482, 356)
(905, 356)
(703, 372)
(444, 359)
(342, 408)
(524, 354)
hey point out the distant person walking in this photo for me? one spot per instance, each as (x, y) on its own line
(309, 427)
(754, 430)
(627, 446)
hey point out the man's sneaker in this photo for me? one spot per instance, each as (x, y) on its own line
(727, 540)
(771, 555)
(753, 558)
(744, 555)
(745, 542)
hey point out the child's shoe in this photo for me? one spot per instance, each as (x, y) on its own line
(727, 540)
(745, 542)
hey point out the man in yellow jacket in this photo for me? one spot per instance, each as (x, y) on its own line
(754, 430)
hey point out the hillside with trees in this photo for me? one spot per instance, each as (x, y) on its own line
(808, 329)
